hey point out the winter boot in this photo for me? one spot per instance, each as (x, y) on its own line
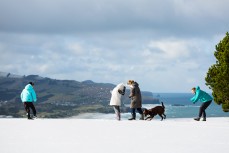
(28, 116)
(133, 116)
(197, 119)
(142, 117)
(204, 119)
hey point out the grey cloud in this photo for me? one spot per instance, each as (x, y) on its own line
(109, 41)
(164, 17)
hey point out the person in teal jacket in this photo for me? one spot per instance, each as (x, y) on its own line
(28, 97)
(206, 100)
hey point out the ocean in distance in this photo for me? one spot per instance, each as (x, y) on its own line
(177, 105)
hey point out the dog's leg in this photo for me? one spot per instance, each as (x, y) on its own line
(161, 117)
(147, 117)
(164, 116)
(151, 117)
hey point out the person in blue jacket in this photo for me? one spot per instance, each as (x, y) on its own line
(206, 100)
(28, 96)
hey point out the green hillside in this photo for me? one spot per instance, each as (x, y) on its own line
(59, 98)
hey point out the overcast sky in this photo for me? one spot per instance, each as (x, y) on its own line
(165, 45)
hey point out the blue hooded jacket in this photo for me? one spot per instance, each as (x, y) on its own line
(28, 94)
(201, 95)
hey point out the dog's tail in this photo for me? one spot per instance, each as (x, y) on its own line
(162, 104)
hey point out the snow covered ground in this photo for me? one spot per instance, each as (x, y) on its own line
(111, 136)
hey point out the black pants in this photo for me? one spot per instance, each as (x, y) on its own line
(27, 106)
(117, 109)
(117, 112)
(202, 109)
(138, 109)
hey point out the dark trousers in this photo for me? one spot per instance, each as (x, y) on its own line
(27, 106)
(138, 109)
(117, 112)
(117, 109)
(202, 109)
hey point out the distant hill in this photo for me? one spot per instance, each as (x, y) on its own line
(59, 98)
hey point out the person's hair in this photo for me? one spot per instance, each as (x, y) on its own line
(130, 82)
(32, 83)
(194, 89)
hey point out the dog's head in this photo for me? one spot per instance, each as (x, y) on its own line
(146, 112)
(121, 88)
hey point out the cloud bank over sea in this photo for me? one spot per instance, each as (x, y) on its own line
(167, 46)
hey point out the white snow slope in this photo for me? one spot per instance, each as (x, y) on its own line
(111, 136)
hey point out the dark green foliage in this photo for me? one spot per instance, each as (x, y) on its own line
(218, 74)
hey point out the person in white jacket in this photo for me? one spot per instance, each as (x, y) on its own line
(116, 95)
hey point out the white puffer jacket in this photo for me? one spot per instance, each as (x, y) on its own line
(116, 96)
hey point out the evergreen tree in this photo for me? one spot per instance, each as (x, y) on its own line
(218, 74)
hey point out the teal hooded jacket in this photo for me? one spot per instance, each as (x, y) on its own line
(201, 95)
(28, 94)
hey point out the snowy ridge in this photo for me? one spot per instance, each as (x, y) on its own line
(111, 136)
(9, 75)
